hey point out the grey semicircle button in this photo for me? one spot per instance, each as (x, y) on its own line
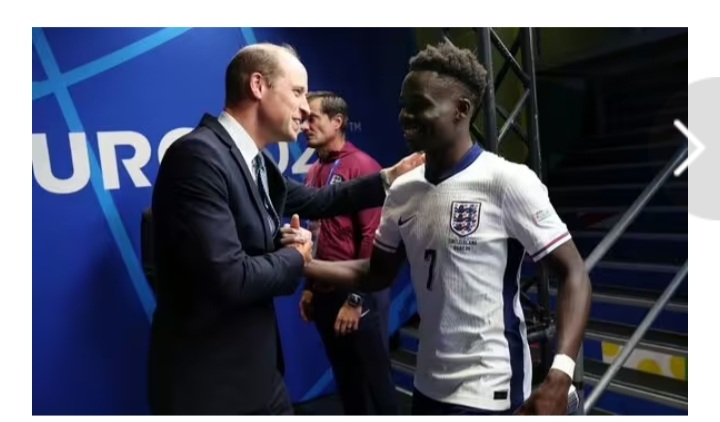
(704, 161)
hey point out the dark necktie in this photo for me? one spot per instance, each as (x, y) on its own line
(261, 176)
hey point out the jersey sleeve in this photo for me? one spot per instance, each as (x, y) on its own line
(530, 217)
(387, 235)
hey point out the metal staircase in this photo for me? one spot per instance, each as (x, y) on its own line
(592, 188)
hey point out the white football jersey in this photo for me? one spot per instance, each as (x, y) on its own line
(465, 238)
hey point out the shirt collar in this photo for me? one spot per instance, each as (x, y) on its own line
(242, 139)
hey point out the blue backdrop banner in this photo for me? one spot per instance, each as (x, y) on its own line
(106, 105)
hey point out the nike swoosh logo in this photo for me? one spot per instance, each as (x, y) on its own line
(402, 222)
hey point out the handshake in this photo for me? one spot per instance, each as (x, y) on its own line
(294, 236)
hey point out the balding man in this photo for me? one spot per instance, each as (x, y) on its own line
(216, 205)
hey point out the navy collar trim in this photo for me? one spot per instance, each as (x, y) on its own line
(464, 163)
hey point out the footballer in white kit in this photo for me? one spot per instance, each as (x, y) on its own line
(464, 220)
(465, 238)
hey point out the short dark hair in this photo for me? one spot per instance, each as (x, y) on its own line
(261, 58)
(331, 104)
(460, 64)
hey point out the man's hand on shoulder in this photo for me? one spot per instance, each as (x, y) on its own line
(294, 236)
(401, 167)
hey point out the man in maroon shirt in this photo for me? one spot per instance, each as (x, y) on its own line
(353, 326)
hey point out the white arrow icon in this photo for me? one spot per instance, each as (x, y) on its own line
(699, 148)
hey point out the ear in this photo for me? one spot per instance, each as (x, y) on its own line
(464, 108)
(337, 121)
(258, 85)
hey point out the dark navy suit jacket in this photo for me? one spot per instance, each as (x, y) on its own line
(214, 346)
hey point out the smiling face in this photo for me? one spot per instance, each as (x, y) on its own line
(433, 110)
(282, 103)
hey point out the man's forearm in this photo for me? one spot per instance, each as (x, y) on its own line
(334, 200)
(353, 274)
(573, 310)
(338, 273)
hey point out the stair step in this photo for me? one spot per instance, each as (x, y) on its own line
(647, 135)
(409, 338)
(632, 173)
(629, 393)
(633, 392)
(643, 280)
(403, 363)
(660, 341)
(405, 406)
(653, 248)
(404, 398)
(646, 96)
(672, 88)
(654, 101)
(624, 404)
(671, 194)
(600, 412)
(656, 237)
(622, 121)
(629, 307)
(636, 297)
(660, 151)
(625, 273)
(658, 352)
(668, 111)
(671, 220)
(617, 187)
(631, 296)
(644, 277)
(594, 149)
(654, 340)
(603, 340)
(404, 401)
(649, 83)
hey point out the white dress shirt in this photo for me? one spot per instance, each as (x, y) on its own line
(244, 142)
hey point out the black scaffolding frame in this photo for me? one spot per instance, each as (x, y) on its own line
(539, 317)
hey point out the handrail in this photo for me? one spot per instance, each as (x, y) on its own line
(604, 246)
(635, 339)
(609, 240)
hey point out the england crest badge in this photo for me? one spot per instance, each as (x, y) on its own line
(464, 218)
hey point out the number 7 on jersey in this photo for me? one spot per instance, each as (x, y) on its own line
(430, 255)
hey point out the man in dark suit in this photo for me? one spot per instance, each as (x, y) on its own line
(216, 204)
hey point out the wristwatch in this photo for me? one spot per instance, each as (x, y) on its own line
(354, 300)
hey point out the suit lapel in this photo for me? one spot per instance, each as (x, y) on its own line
(212, 123)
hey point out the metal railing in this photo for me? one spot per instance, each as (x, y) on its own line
(597, 254)
(635, 339)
